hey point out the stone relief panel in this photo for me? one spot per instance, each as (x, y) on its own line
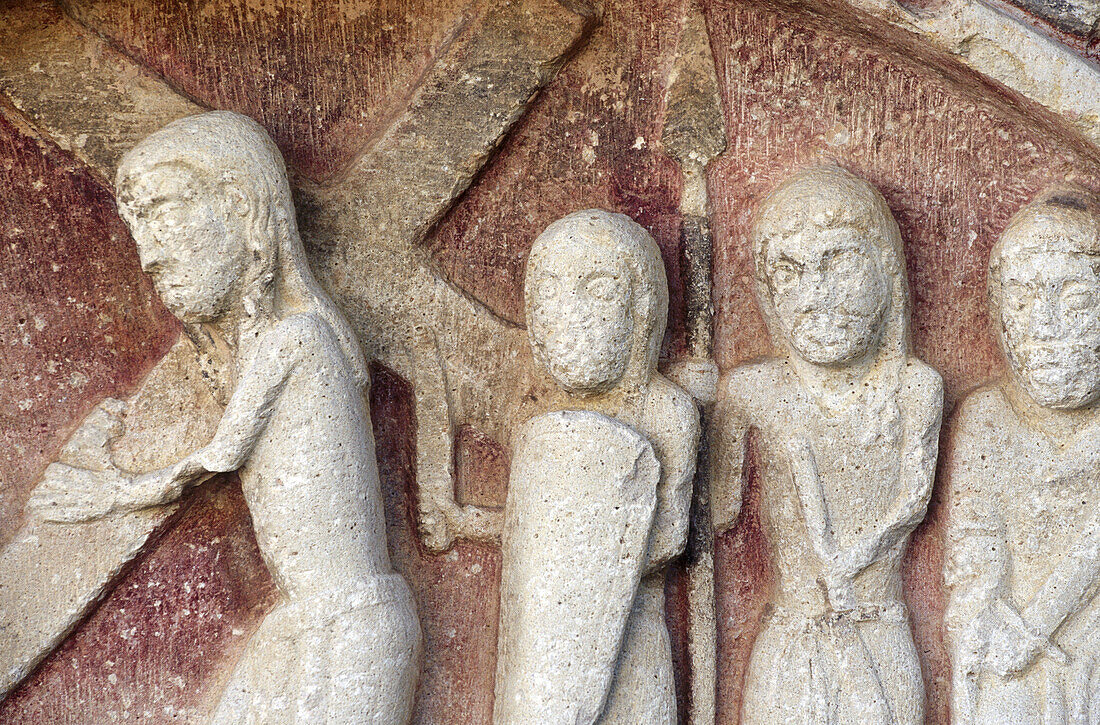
(1022, 544)
(546, 108)
(847, 422)
(600, 486)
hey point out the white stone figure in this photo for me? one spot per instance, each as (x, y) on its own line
(600, 487)
(848, 422)
(209, 205)
(1023, 537)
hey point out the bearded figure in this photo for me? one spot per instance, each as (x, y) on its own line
(847, 420)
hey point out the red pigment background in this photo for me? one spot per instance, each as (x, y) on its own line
(803, 83)
(78, 319)
(954, 155)
(322, 77)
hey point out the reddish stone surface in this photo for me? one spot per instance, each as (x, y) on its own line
(154, 650)
(322, 77)
(78, 319)
(457, 593)
(954, 155)
(591, 139)
(481, 466)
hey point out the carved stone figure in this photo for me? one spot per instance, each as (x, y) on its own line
(209, 205)
(600, 487)
(1023, 537)
(847, 421)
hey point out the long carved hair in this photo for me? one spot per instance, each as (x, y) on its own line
(229, 151)
(827, 197)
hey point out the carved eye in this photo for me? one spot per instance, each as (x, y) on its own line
(548, 288)
(785, 275)
(1015, 296)
(604, 288)
(847, 261)
(1078, 298)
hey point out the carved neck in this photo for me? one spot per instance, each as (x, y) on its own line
(223, 342)
(833, 382)
(1059, 425)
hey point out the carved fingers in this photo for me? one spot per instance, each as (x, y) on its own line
(90, 446)
(68, 494)
(476, 524)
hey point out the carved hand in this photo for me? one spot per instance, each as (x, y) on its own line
(475, 523)
(698, 376)
(90, 446)
(68, 494)
(839, 583)
(1013, 646)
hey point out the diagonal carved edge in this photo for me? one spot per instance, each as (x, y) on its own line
(1006, 50)
(463, 361)
(363, 234)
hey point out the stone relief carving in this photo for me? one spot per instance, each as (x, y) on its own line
(209, 205)
(1023, 537)
(848, 422)
(600, 486)
(462, 363)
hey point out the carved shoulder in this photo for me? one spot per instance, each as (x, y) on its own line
(743, 390)
(673, 408)
(923, 389)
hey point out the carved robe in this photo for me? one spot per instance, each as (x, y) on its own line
(1023, 541)
(813, 663)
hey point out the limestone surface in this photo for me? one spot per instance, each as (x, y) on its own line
(848, 420)
(1023, 537)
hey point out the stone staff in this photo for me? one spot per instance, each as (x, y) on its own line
(694, 135)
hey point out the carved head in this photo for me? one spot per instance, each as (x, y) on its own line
(1044, 286)
(597, 301)
(829, 266)
(203, 197)
(209, 205)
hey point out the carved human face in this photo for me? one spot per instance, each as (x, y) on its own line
(829, 292)
(189, 244)
(580, 323)
(1050, 310)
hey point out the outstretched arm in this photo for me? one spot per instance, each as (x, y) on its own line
(69, 493)
(442, 519)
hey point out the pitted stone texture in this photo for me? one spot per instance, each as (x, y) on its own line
(208, 201)
(78, 320)
(600, 486)
(809, 87)
(594, 134)
(186, 608)
(324, 78)
(1023, 541)
(848, 422)
(89, 98)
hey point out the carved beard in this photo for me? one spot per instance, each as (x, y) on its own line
(1060, 375)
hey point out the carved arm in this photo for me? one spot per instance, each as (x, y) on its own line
(919, 451)
(70, 494)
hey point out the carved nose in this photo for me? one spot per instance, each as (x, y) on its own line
(1044, 319)
(813, 294)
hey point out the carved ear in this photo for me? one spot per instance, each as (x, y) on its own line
(237, 201)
